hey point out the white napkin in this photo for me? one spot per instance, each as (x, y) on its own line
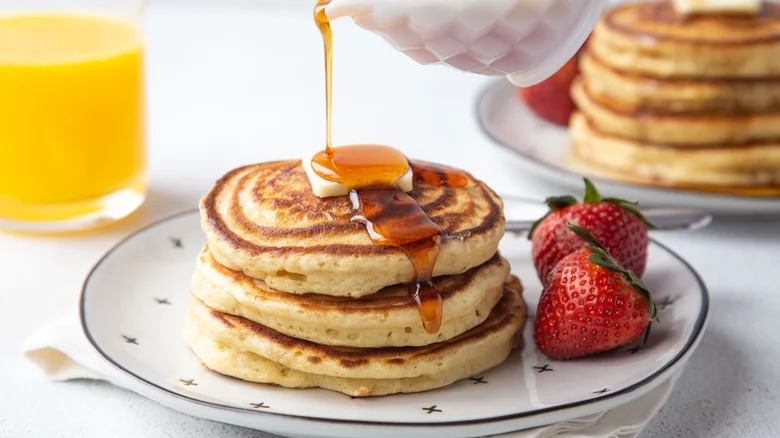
(62, 352)
(625, 421)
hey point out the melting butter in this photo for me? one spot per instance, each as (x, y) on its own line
(325, 189)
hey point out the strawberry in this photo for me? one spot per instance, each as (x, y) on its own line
(616, 223)
(550, 98)
(591, 304)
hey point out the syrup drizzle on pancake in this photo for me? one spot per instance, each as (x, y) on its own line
(437, 175)
(390, 216)
(393, 218)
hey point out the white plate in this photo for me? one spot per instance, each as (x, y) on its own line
(134, 301)
(543, 147)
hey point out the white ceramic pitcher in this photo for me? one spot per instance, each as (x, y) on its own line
(526, 40)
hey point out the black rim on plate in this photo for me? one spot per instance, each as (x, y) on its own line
(696, 333)
(494, 86)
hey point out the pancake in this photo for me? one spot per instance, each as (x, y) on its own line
(387, 318)
(237, 347)
(690, 130)
(265, 221)
(650, 38)
(752, 165)
(634, 93)
(244, 365)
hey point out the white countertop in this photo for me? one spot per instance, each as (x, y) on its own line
(239, 84)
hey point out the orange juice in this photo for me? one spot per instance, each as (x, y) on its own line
(71, 115)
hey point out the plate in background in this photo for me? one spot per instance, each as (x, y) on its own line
(135, 299)
(543, 146)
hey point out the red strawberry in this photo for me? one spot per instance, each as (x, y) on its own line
(590, 304)
(614, 222)
(550, 98)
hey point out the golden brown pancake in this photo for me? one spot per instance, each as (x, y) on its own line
(237, 347)
(650, 38)
(386, 318)
(634, 93)
(752, 165)
(684, 130)
(265, 221)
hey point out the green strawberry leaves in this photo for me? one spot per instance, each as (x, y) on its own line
(602, 257)
(592, 196)
(555, 203)
(630, 206)
(560, 202)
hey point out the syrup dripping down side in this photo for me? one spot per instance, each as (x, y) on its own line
(394, 218)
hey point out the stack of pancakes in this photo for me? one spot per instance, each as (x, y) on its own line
(682, 101)
(290, 291)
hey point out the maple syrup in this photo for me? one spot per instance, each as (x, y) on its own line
(323, 24)
(391, 216)
(361, 166)
(394, 218)
(438, 175)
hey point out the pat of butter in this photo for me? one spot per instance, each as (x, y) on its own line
(717, 6)
(325, 189)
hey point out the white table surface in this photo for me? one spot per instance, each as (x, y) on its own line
(238, 83)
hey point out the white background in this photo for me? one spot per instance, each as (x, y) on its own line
(241, 81)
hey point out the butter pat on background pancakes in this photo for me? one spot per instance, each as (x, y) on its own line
(717, 6)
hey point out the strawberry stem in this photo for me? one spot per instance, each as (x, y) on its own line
(592, 196)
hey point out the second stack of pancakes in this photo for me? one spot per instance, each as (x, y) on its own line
(681, 100)
(290, 291)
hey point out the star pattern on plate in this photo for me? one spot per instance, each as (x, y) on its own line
(145, 310)
(543, 368)
(177, 243)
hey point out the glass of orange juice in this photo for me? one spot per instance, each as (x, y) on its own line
(72, 116)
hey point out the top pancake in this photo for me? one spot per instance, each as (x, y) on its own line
(265, 221)
(651, 38)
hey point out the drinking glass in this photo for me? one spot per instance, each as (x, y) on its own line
(72, 113)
